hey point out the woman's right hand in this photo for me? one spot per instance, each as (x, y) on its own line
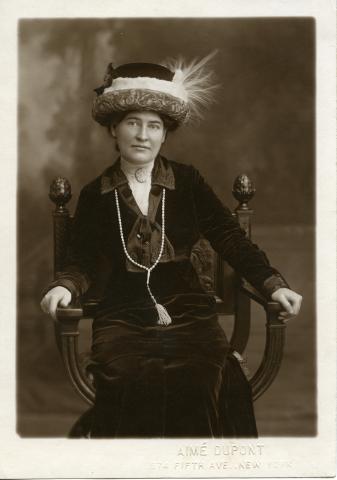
(57, 296)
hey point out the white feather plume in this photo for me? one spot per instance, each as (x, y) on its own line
(197, 79)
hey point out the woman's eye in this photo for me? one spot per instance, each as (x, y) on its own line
(132, 123)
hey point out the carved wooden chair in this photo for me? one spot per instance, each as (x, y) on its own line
(233, 296)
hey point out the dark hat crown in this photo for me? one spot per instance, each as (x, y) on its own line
(152, 70)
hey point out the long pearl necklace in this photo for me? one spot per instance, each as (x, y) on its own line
(163, 316)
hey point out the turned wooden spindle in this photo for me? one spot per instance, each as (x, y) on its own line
(243, 191)
(60, 194)
(66, 327)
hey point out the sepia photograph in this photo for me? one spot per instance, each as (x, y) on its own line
(169, 257)
(177, 158)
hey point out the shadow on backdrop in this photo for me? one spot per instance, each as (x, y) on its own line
(262, 124)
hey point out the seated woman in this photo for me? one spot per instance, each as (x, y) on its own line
(161, 363)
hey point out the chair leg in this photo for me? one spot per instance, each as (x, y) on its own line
(82, 426)
(69, 349)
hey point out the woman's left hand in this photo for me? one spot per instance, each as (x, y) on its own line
(289, 300)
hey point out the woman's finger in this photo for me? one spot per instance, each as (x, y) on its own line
(290, 302)
(297, 304)
(286, 304)
(288, 316)
(65, 300)
(44, 305)
(54, 297)
(53, 306)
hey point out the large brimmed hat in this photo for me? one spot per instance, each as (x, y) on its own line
(175, 90)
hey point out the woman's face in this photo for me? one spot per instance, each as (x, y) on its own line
(139, 136)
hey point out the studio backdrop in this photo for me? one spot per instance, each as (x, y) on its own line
(262, 123)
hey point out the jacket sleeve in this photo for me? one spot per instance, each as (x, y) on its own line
(79, 264)
(222, 230)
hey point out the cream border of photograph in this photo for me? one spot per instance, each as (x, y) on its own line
(279, 457)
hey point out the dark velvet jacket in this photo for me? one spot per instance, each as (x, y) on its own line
(97, 266)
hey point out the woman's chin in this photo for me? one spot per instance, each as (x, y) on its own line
(139, 156)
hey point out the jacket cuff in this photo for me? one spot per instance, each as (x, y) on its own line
(273, 283)
(66, 283)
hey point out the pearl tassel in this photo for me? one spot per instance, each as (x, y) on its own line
(163, 316)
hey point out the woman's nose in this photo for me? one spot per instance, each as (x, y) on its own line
(142, 133)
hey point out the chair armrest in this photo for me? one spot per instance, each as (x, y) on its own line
(274, 347)
(70, 316)
(68, 319)
(67, 333)
(253, 294)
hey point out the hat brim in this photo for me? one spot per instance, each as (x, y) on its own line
(107, 104)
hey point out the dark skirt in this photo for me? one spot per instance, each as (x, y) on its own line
(175, 381)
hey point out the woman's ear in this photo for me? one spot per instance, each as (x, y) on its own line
(113, 130)
(164, 136)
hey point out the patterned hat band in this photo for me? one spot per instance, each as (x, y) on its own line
(117, 101)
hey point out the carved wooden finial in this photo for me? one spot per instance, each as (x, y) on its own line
(60, 193)
(243, 191)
